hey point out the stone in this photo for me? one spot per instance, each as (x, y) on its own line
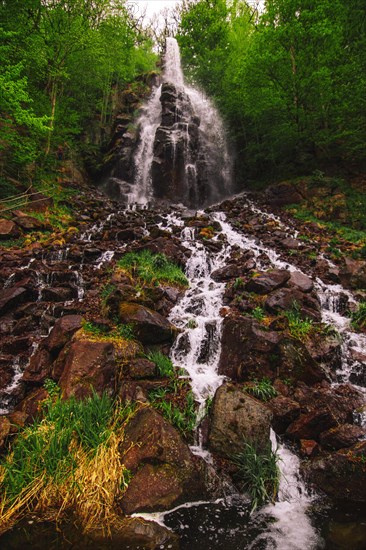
(237, 418)
(8, 230)
(89, 366)
(142, 368)
(283, 299)
(62, 332)
(285, 411)
(58, 294)
(301, 281)
(12, 297)
(282, 194)
(308, 448)
(296, 363)
(290, 243)
(311, 425)
(4, 429)
(341, 475)
(248, 349)
(135, 533)
(149, 326)
(264, 283)
(28, 223)
(31, 405)
(341, 436)
(353, 273)
(39, 366)
(164, 470)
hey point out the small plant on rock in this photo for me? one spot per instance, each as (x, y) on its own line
(299, 327)
(152, 268)
(358, 317)
(258, 313)
(261, 389)
(163, 363)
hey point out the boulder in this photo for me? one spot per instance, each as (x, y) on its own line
(149, 326)
(90, 366)
(248, 349)
(28, 223)
(12, 297)
(8, 230)
(282, 194)
(31, 405)
(353, 273)
(5, 427)
(341, 475)
(301, 281)
(285, 411)
(142, 368)
(237, 418)
(311, 425)
(341, 436)
(39, 366)
(296, 363)
(62, 332)
(264, 283)
(164, 470)
(284, 299)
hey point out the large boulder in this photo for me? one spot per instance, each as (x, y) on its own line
(340, 475)
(264, 283)
(62, 332)
(296, 363)
(284, 299)
(89, 366)
(8, 230)
(353, 273)
(149, 326)
(247, 349)
(285, 410)
(342, 436)
(164, 470)
(12, 297)
(237, 418)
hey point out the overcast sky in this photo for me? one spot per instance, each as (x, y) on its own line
(153, 6)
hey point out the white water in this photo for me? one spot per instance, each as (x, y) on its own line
(211, 136)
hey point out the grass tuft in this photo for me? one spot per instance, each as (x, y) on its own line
(152, 268)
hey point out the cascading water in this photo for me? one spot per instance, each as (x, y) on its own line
(182, 154)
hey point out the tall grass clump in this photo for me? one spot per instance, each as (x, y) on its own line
(358, 317)
(258, 473)
(152, 268)
(299, 328)
(163, 363)
(261, 389)
(68, 460)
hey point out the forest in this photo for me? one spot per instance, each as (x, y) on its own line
(289, 80)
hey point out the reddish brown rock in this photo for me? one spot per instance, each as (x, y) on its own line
(28, 223)
(285, 411)
(342, 436)
(149, 326)
(283, 299)
(31, 405)
(301, 281)
(39, 366)
(165, 471)
(353, 273)
(296, 363)
(8, 230)
(12, 297)
(311, 425)
(4, 429)
(62, 332)
(247, 349)
(264, 283)
(90, 366)
(142, 368)
(308, 448)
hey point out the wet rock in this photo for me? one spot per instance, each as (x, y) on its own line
(58, 294)
(264, 283)
(285, 411)
(171, 247)
(247, 349)
(6, 370)
(31, 406)
(62, 332)
(301, 281)
(308, 448)
(353, 273)
(12, 297)
(89, 366)
(149, 326)
(236, 417)
(142, 368)
(342, 436)
(8, 230)
(39, 366)
(296, 363)
(284, 299)
(311, 425)
(340, 475)
(165, 471)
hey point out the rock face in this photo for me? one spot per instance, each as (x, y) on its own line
(149, 326)
(236, 418)
(164, 470)
(177, 146)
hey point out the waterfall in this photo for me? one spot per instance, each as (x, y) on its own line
(182, 154)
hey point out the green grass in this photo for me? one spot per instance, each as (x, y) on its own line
(124, 332)
(258, 473)
(261, 389)
(258, 313)
(163, 363)
(299, 327)
(358, 317)
(152, 268)
(44, 449)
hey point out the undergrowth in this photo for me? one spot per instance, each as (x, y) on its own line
(163, 363)
(152, 268)
(258, 473)
(358, 317)
(261, 389)
(67, 460)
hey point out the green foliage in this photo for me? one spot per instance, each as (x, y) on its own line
(358, 317)
(299, 327)
(258, 473)
(238, 283)
(258, 313)
(152, 268)
(119, 331)
(182, 417)
(43, 450)
(163, 363)
(261, 389)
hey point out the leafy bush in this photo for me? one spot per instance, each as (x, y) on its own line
(152, 268)
(258, 473)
